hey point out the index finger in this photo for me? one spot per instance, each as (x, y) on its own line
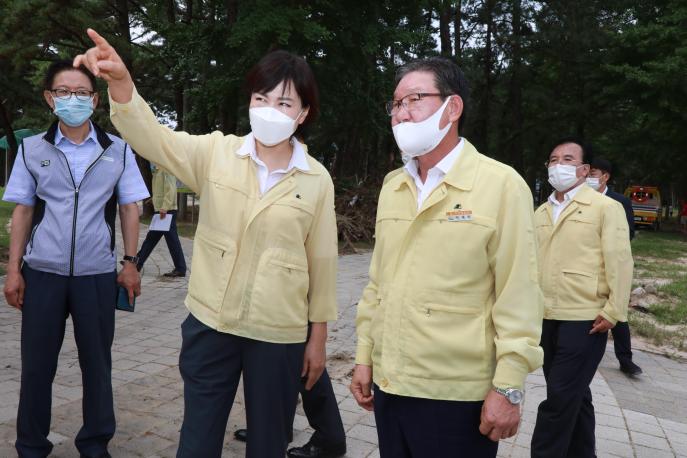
(99, 41)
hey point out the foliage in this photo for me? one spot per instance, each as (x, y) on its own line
(612, 71)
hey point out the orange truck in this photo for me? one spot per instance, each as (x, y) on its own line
(646, 204)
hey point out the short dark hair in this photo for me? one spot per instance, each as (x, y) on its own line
(587, 151)
(278, 66)
(602, 164)
(60, 66)
(448, 77)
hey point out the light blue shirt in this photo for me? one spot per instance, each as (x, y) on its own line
(21, 187)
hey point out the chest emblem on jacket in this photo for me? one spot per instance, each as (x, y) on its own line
(45, 163)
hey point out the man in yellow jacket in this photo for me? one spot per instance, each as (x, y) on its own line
(449, 324)
(165, 204)
(585, 275)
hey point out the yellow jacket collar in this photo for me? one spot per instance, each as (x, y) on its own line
(584, 195)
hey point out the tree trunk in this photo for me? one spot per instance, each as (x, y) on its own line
(515, 147)
(458, 50)
(232, 7)
(444, 30)
(486, 75)
(122, 13)
(171, 11)
(188, 16)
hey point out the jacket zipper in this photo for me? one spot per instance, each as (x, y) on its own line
(76, 203)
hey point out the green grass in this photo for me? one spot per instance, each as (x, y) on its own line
(661, 245)
(658, 335)
(662, 255)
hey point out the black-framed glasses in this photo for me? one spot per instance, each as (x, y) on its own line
(410, 102)
(80, 94)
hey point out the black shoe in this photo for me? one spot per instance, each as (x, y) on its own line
(174, 273)
(630, 369)
(311, 450)
(241, 435)
(104, 455)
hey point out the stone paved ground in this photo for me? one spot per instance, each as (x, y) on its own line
(644, 417)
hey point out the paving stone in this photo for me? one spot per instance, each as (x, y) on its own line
(149, 392)
(647, 440)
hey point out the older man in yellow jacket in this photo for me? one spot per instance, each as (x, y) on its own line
(449, 324)
(585, 274)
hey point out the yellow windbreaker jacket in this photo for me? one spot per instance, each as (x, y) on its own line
(262, 266)
(164, 190)
(453, 306)
(585, 259)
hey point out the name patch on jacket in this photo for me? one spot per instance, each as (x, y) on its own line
(459, 215)
(45, 163)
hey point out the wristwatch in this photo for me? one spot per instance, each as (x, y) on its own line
(513, 395)
(131, 259)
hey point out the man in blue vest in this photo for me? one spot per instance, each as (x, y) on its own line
(67, 183)
(599, 176)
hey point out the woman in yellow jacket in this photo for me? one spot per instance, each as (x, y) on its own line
(264, 254)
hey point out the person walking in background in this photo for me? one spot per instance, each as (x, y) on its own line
(165, 204)
(585, 273)
(598, 179)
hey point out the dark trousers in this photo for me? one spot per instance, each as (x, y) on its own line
(211, 364)
(419, 428)
(48, 300)
(621, 342)
(173, 244)
(323, 415)
(565, 420)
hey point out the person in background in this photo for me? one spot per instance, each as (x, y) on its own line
(264, 255)
(322, 411)
(67, 183)
(598, 179)
(585, 263)
(165, 204)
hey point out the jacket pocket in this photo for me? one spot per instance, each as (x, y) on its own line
(445, 341)
(578, 288)
(280, 290)
(214, 255)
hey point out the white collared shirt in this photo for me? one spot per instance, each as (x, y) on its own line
(557, 206)
(266, 178)
(434, 175)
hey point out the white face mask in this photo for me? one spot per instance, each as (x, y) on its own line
(594, 183)
(417, 138)
(270, 126)
(562, 177)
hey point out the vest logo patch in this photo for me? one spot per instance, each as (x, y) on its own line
(45, 163)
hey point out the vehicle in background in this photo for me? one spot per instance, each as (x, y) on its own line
(646, 204)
